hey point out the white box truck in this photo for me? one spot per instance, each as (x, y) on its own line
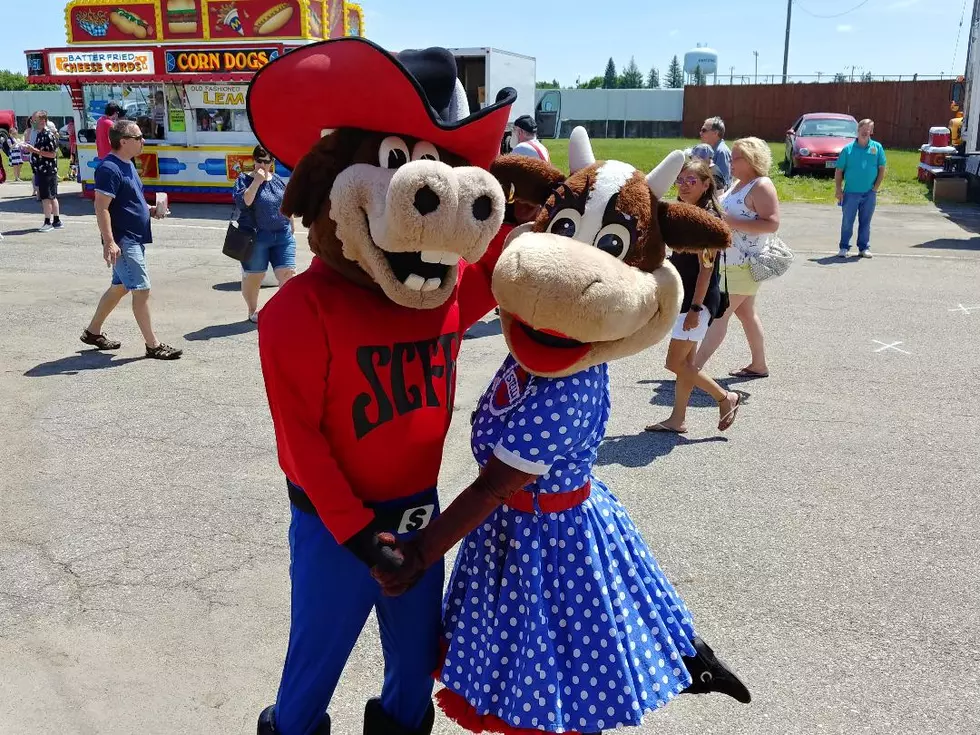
(486, 71)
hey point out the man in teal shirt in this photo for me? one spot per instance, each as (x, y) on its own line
(860, 170)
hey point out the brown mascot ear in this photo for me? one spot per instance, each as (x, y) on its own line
(525, 178)
(308, 190)
(688, 228)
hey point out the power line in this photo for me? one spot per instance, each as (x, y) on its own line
(956, 47)
(834, 15)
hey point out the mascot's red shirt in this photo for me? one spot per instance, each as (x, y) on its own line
(361, 389)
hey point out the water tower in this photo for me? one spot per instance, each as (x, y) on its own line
(704, 57)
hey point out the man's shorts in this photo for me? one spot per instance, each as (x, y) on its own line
(47, 186)
(130, 267)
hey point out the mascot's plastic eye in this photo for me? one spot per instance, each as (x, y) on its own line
(613, 239)
(425, 151)
(393, 152)
(566, 223)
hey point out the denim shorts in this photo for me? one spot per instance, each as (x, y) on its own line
(130, 267)
(277, 249)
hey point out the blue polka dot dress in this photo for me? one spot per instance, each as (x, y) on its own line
(557, 622)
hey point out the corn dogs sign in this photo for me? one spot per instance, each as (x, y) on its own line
(218, 60)
(100, 63)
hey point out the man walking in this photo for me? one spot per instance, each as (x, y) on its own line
(860, 169)
(112, 113)
(713, 133)
(124, 221)
(44, 162)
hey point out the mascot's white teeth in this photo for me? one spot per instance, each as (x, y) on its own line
(439, 256)
(415, 282)
(431, 284)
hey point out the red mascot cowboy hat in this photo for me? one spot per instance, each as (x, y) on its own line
(354, 83)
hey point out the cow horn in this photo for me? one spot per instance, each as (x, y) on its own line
(661, 178)
(580, 153)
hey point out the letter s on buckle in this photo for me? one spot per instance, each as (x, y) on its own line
(415, 519)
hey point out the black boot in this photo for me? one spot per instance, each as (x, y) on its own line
(711, 674)
(267, 723)
(378, 722)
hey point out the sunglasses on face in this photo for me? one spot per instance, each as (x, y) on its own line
(263, 161)
(134, 137)
(687, 180)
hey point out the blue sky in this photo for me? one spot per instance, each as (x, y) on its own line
(880, 36)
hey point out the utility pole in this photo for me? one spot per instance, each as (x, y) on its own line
(789, 16)
(756, 66)
(731, 79)
(819, 74)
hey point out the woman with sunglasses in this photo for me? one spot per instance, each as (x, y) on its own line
(702, 303)
(259, 196)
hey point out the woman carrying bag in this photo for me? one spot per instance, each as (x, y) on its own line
(704, 301)
(259, 197)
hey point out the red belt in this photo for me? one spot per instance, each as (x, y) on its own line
(523, 500)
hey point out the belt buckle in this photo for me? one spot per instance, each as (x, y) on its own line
(415, 519)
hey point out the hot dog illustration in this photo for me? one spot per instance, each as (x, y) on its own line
(273, 19)
(130, 23)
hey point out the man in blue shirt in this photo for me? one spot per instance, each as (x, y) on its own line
(860, 170)
(124, 221)
(713, 133)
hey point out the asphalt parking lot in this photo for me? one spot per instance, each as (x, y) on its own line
(826, 545)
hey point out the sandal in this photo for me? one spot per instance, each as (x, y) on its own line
(99, 341)
(163, 352)
(746, 373)
(729, 418)
(662, 427)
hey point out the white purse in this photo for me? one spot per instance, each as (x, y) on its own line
(774, 260)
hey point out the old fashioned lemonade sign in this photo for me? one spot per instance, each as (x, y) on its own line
(207, 96)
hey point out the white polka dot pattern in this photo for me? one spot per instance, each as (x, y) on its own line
(562, 621)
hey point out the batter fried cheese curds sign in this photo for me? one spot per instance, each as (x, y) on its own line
(109, 63)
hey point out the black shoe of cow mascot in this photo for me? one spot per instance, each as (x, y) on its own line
(358, 353)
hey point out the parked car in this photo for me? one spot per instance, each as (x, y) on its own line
(816, 140)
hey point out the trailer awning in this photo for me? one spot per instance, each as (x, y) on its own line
(140, 79)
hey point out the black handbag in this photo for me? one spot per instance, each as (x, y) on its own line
(239, 240)
(723, 301)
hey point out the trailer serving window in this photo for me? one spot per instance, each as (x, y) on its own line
(217, 109)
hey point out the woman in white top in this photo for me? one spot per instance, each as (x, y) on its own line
(752, 211)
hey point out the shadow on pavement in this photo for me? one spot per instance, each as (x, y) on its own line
(215, 331)
(14, 233)
(484, 329)
(835, 260)
(237, 286)
(966, 216)
(639, 450)
(944, 243)
(74, 364)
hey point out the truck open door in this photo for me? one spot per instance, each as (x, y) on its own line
(547, 114)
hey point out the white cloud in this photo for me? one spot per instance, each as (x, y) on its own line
(674, 32)
(844, 28)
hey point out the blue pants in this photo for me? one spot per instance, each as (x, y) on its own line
(332, 594)
(863, 207)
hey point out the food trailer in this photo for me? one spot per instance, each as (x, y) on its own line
(180, 69)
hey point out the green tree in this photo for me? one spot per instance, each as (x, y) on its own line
(675, 76)
(700, 78)
(866, 77)
(593, 83)
(13, 81)
(609, 80)
(840, 77)
(632, 77)
(553, 84)
(653, 79)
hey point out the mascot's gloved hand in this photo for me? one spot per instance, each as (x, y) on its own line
(496, 483)
(377, 548)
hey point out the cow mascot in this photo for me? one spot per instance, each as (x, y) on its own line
(358, 353)
(558, 617)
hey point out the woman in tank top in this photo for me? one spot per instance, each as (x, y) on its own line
(751, 209)
(702, 301)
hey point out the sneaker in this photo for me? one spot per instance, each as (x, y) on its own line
(254, 317)
(99, 341)
(865, 254)
(842, 253)
(58, 224)
(163, 352)
(46, 227)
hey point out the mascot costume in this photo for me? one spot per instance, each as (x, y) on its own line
(557, 616)
(358, 353)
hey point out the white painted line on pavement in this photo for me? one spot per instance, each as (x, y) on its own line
(156, 223)
(965, 309)
(890, 347)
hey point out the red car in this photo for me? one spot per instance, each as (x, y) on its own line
(816, 140)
